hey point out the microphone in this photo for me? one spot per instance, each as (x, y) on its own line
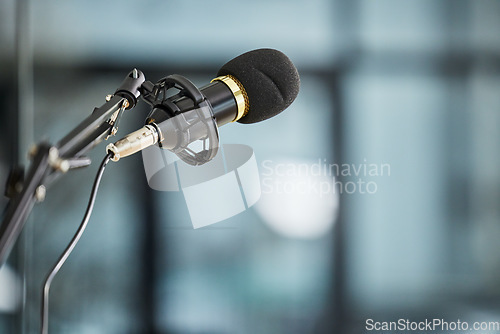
(250, 88)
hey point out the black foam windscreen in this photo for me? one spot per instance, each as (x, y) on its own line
(270, 79)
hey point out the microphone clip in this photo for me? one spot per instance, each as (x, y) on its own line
(197, 135)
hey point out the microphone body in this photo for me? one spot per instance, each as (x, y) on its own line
(250, 88)
(218, 94)
(227, 103)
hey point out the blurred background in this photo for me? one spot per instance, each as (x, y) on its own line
(413, 85)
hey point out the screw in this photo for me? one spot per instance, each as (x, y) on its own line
(40, 193)
(53, 154)
(56, 162)
(63, 165)
(32, 151)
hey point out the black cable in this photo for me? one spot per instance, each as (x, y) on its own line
(44, 327)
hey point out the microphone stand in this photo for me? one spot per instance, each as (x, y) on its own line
(51, 161)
